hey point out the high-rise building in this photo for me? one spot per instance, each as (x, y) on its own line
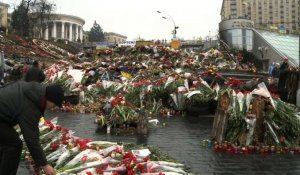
(266, 14)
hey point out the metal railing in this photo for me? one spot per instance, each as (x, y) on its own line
(227, 47)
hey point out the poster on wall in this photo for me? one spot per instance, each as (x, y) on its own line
(282, 30)
(126, 44)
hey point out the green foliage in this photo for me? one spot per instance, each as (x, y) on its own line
(96, 33)
(64, 168)
(107, 92)
(134, 96)
(236, 124)
(121, 114)
(282, 124)
(289, 124)
(207, 94)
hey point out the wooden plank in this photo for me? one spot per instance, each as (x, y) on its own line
(215, 124)
(142, 124)
(221, 118)
(221, 125)
(258, 107)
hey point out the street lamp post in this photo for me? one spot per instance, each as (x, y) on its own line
(263, 50)
(174, 32)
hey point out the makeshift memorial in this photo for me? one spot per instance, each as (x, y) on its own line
(257, 123)
(72, 155)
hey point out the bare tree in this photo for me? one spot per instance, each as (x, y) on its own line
(31, 15)
(41, 13)
(20, 18)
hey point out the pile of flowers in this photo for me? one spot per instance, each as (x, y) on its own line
(156, 80)
(130, 95)
(51, 49)
(230, 148)
(72, 155)
(257, 122)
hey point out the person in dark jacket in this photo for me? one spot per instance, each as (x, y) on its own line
(35, 73)
(23, 103)
(16, 73)
(276, 71)
(283, 79)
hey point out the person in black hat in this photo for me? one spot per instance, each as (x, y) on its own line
(23, 103)
(35, 73)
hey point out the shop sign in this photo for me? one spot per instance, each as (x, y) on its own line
(175, 44)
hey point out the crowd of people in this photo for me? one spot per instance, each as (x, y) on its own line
(25, 72)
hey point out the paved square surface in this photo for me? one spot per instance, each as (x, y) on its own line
(181, 138)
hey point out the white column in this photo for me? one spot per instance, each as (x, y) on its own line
(70, 32)
(81, 34)
(41, 33)
(46, 33)
(54, 30)
(76, 33)
(62, 30)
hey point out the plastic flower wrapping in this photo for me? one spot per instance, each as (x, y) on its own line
(72, 155)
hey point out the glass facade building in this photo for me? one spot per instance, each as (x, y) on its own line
(265, 45)
(286, 44)
(237, 33)
(238, 38)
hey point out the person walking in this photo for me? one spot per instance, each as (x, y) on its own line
(35, 73)
(24, 103)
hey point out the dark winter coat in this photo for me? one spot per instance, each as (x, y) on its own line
(35, 74)
(21, 103)
(283, 81)
(16, 74)
(275, 72)
(284, 66)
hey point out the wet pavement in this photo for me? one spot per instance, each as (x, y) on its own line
(181, 138)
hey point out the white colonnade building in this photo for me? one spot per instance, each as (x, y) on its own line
(64, 27)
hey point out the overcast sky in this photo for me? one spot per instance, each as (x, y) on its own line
(139, 18)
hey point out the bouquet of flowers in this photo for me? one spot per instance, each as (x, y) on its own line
(73, 155)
